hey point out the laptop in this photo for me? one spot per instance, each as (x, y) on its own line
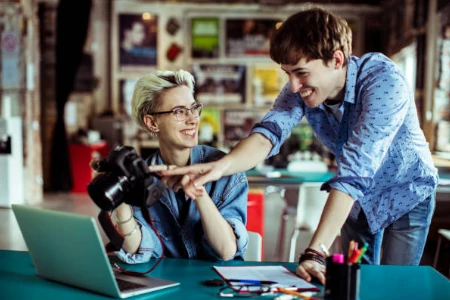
(68, 248)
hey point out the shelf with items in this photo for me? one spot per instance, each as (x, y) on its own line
(192, 37)
(224, 46)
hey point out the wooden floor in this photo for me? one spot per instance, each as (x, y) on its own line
(11, 237)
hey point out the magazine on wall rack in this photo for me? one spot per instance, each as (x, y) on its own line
(237, 124)
(219, 84)
(249, 37)
(205, 37)
(137, 42)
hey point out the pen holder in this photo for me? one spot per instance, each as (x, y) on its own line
(342, 280)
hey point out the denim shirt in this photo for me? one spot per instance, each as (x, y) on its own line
(384, 161)
(229, 194)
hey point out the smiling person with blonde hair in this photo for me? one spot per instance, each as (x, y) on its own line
(211, 226)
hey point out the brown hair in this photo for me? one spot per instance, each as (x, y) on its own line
(312, 34)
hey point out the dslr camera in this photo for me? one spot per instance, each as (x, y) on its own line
(125, 178)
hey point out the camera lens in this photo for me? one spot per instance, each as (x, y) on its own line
(108, 190)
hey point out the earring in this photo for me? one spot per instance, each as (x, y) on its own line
(154, 131)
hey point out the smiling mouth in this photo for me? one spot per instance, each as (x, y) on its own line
(189, 132)
(306, 93)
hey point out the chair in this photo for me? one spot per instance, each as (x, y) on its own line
(254, 248)
(442, 233)
(304, 203)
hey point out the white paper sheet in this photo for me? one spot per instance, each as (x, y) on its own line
(279, 274)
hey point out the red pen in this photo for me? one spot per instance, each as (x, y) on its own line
(354, 256)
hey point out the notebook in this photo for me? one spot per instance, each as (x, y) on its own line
(68, 248)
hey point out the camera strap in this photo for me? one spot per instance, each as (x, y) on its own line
(116, 240)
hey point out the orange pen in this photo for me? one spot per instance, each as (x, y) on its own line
(296, 294)
(351, 248)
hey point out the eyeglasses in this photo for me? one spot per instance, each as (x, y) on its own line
(182, 113)
(246, 291)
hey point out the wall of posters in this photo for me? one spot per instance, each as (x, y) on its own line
(248, 36)
(205, 37)
(219, 84)
(137, 40)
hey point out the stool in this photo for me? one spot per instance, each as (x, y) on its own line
(255, 214)
(442, 233)
(80, 157)
(305, 205)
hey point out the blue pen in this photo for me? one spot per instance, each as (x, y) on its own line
(250, 281)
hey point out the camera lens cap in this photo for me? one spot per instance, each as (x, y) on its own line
(213, 282)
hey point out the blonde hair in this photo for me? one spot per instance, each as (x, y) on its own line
(149, 88)
(313, 34)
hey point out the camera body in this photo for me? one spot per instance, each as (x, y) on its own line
(125, 178)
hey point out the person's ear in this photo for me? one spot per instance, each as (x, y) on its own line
(338, 59)
(150, 123)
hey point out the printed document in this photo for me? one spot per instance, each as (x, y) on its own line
(279, 274)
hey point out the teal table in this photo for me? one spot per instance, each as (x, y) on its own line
(18, 281)
(282, 177)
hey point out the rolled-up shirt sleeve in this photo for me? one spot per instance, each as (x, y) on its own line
(348, 185)
(150, 245)
(232, 204)
(277, 124)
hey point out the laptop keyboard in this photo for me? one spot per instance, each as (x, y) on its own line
(127, 285)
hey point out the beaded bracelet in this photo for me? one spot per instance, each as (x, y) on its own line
(132, 231)
(116, 219)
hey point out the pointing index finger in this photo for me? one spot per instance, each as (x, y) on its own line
(178, 171)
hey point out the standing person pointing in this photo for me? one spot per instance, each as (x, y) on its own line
(363, 111)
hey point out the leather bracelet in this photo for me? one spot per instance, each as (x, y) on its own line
(116, 219)
(315, 252)
(307, 255)
(311, 256)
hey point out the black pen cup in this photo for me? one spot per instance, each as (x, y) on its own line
(342, 280)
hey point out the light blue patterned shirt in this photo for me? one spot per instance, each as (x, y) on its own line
(384, 161)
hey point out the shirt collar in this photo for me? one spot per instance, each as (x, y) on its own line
(350, 81)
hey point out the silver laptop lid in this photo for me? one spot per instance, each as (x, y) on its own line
(66, 248)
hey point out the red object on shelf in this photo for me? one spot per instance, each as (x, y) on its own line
(80, 157)
(255, 213)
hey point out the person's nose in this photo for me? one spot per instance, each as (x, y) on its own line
(296, 84)
(192, 116)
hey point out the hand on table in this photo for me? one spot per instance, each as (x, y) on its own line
(309, 268)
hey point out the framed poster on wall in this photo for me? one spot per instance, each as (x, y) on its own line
(248, 37)
(237, 124)
(205, 37)
(268, 80)
(219, 83)
(137, 41)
